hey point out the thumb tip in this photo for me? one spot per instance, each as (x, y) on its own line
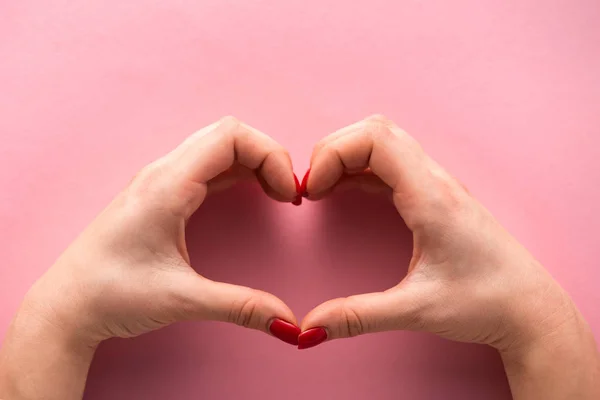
(312, 337)
(285, 331)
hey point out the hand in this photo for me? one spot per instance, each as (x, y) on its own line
(468, 279)
(129, 272)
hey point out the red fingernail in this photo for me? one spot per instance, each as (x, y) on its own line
(285, 331)
(298, 187)
(304, 183)
(311, 338)
(298, 200)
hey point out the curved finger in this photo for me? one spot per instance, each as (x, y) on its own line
(182, 176)
(332, 137)
(365, 181)
(236, 173)
(418, 185)
(239, 173)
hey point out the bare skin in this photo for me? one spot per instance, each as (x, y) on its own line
(468, 279)
(129, 272)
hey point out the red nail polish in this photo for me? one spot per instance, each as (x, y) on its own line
(298, 187)
(311, 338)
(298, 200)
(304, 183)
(285, 331)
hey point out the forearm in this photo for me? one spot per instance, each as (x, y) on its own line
(41, 361)
(563, 365)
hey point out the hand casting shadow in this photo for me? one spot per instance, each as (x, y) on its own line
(370, 249)
(228, 240)
(356, 244)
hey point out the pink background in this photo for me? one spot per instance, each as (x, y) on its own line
(505, 94)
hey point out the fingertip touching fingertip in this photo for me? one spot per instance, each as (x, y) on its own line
(298, 200)
(311, 338)
(298, 186)
(285, 331)
(303, 186)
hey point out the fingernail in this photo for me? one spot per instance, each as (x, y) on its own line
(285, 331)
(311, 338)
(298, 200)
(298, 187)
(304, 183)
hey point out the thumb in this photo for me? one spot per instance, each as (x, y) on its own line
(399, 308)
(204, 299)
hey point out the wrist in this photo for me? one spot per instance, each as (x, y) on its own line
(540, 311)
(41, 359)
(58, 302)
(562, 363)
(41, 317)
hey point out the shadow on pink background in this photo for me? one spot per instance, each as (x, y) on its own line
(505, 94)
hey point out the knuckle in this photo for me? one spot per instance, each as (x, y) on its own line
(380, 119)
(231, 128)
(228, 127)
(148, 180)
(229, 121)
(329, 148)
(144, 180)
(278, 149)
(353, 323)
(149, 190)
(325, 150)
(324, 146)
(318, 148)
(455, 201)
(148, 172)
(379, 127)
(245, 313)
(448, 196)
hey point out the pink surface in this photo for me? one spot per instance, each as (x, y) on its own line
(505, 94)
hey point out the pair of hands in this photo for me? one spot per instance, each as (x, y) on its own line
(129, 272)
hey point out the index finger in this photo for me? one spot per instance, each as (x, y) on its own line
(389, 152)
(185, 172)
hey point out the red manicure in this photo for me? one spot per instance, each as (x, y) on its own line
(304, 183)
(285, 331)
(311, 338)
(298, 200)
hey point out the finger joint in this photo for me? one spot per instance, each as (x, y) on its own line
(355, 324)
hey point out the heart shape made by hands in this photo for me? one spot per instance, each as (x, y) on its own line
(234, 212)
(455, 239)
